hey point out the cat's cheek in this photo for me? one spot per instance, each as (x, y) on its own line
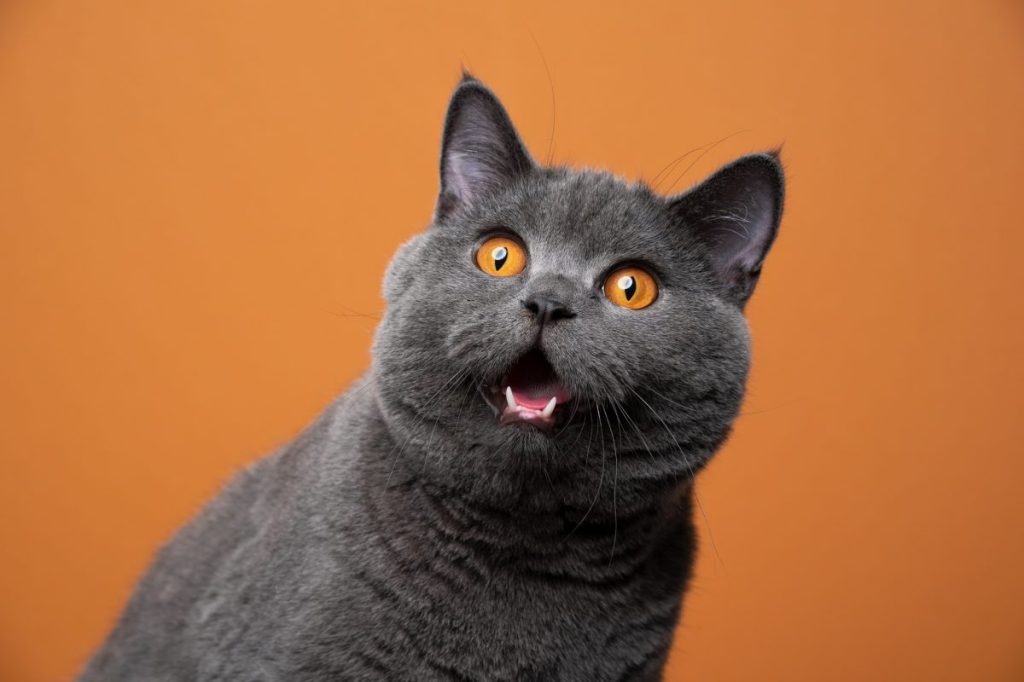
(399, 272)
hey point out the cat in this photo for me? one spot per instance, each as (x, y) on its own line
(506, 494)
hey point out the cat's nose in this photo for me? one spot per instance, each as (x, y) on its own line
(546, 308)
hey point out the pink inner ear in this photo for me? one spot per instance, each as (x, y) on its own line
(735, 212)
(481, 151)
(466, 177)
(739, 243)
(456, 175)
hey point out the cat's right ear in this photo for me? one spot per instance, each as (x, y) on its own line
(480, 151)
(736, 213)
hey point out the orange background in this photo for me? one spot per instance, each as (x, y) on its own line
(198, 199)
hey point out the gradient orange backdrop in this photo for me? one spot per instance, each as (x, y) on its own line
(198, 199)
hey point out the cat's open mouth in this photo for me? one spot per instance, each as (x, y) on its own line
(531, 393)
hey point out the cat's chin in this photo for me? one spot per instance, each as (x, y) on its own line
(531, 394)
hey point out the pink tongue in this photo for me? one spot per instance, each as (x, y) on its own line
(534, 383)
(538, 397)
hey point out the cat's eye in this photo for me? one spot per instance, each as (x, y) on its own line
(631, 287)
(501, 257)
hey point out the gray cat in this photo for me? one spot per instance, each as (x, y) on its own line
(506, 494)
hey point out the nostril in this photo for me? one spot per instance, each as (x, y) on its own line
(545, 309)
(560, 313)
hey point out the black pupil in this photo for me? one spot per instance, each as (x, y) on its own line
(628, 286)
(500, 255)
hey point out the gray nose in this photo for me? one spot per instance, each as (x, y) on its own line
(546, 308)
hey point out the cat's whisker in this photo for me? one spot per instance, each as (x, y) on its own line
(704, 150)
(664, 397)
(763, 410)
(568, 420)
(689, 470)
(600, 481)
(551, 87)
(590, 442)
(356, 315)
(411, 433)
(643, 439)
(615, 485)
(670, 166)
(459, 376)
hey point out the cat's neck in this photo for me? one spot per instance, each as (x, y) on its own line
(416, 513)
(538, 537)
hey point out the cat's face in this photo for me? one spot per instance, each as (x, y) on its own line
(564, 336)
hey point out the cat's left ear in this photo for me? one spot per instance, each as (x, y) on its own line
(736, 214)
(480, 152)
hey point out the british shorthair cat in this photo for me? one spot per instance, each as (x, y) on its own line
(506, 493)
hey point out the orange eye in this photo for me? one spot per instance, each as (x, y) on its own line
(501, 257)
(631, 288)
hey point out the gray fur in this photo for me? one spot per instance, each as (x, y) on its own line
(405, 535)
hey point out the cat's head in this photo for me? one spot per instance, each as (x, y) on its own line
(562, 335)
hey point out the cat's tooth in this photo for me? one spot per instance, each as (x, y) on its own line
(510, 398)
(549, 408)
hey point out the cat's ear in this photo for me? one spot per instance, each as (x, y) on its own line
(480, 151)
(736, 214)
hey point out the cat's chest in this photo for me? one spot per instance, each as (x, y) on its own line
(354, 602)
(509, 627)
(451, 609)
